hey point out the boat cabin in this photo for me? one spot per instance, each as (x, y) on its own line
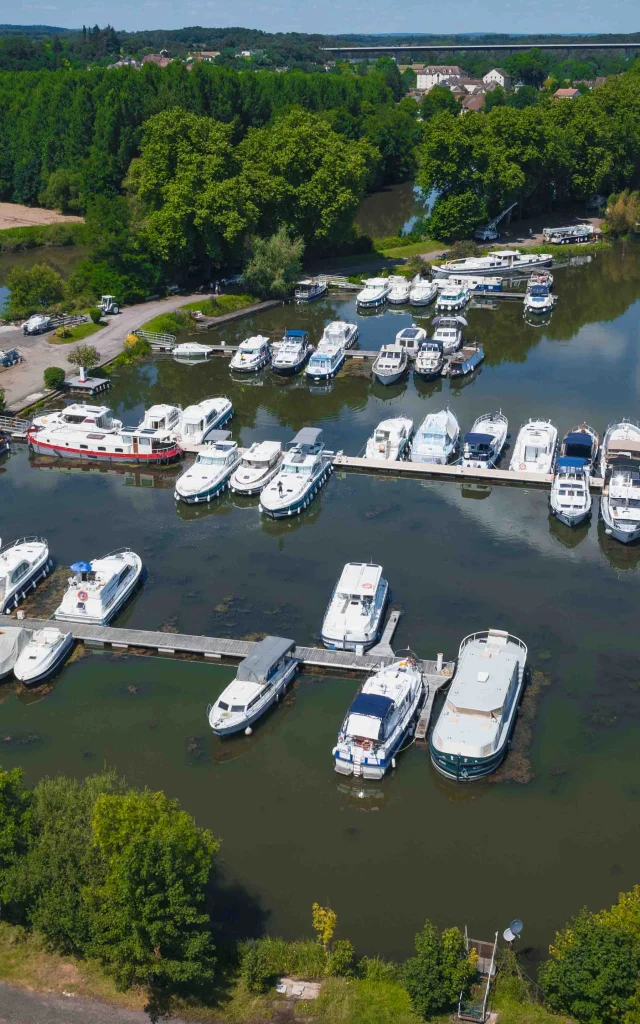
(220, 451)
(161, 417)
(255, 673)
(368, 717)
(578, 445)
(478, 446)
(88, 417)
(411, 338)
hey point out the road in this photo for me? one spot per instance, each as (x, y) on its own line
(23, 384)
(18, 1006)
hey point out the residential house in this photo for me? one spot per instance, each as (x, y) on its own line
(436, 74)
(566, 94)
(472, 85)
(156, 58)
(474, 103)
(499, 76)
(591, 83)
(207, 55)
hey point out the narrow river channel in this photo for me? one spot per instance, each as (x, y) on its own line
(458, 559)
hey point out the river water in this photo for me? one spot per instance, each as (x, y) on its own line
(458, 558)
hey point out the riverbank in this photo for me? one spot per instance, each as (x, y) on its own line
(13, 215)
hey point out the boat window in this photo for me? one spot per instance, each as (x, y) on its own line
(223, 706)
(237, 707)
(19, 571)
(531, 453)
(119, 450)
(101, 449)
(211, 460)
(144, 442)
(125, 572)
(433, 438)
(84, 445)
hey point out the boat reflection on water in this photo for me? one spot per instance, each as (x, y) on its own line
(322, 389)
(282, 527)
(475, 491)
(625, 557)
(458, 384)
(218, 506)
(568, 536)
(533, 320)
(359, 796)
(427, 388)
(161, 478)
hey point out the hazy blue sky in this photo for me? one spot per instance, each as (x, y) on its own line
(334, 16)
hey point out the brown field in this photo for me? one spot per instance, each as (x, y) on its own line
(12, 215)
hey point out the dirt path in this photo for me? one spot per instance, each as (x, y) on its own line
(18, 1006)
(12, 215)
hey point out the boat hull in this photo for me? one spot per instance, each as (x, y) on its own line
(301, 502)
(48, 668)
(374, 771)
(389, 378)
(206, 494)
(254, 368)
(326, 376)
(460, 769)
(289, 371)
(506, 271)
(262, 709)
(571, 519)
(37, 573)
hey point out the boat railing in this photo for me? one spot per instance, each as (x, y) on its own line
(23, 540)
(118, 551)
(484, 635)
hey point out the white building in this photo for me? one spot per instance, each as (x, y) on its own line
(498, 77)
(435, 74)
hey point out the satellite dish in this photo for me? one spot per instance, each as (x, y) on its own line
(508, 935)
(512, 932)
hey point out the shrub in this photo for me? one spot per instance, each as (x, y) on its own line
(623, 213)
(33, 289)
(264, 960)
(133, 350)
(84, 355)
(439, 972)
(341, 959)
(95, 314)
(53, 378)
(275, 265)
(376, 969)
(62, 332)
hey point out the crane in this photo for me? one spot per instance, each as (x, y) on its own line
(489, 232)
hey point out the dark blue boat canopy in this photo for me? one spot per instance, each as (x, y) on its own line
(571, 462)
(479, 438)
(296, 334)
(374, 705)
(579, 441)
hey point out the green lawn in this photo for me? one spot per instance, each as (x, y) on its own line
(76, 333)
(221, 304)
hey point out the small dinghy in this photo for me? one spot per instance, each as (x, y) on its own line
(306, 467)
(452, 297)
(379, 720)
(209, 475)
(259, 465)
(354, 614)
(411, 338)
(620, 469)
(422, 292)
(535, 448)
(260, 682)
(44, 653)
(191, 351)
(399, 289)
(390, 364)
(466, 360)
(482, 448)
(471, 735)
(437, 438)
(390, 440)
(291, 354)
(13, 640)
(449, 332)
(23, 564)
(98, 589)
(429, 362)
(251, 355)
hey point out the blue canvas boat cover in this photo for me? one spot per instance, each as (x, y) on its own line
(579, 441)
(571, 462)
(295, 334)
(479, 439)
(373, 705)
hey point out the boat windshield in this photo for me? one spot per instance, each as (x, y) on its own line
(293, 468)
(382, 435)
(430, 438)
(212, 460)
(532, 452)
(253, 463)
(539, 291)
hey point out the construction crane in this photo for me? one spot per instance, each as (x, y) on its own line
(489, 232)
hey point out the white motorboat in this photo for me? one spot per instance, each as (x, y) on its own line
(259, 465)
(291, 354)
(429, 362)
(538, 297)
(390, 440)
(399, 289)
(422, 292)
(23, 563)
(44, 653)
(340, 333)
(311, 288)
(497, 263)
(191, 351)
(437, 438)
(374, 294)
(98, 589)
(13, 640)
(379, 720)
(37, 324)
(209, 475)
(251, 355)
(452, 297)
(326, 360)
(535, 448)
(620, 468)
(306, 467)
(581, 443)
(260, 682)
(411, 338)
(570, 498)
(161, 417)
(471, 735)
(390, 364)
(198, 421)
(482, 447)
(91, 433)
(448, 331)
(355, 612)
(466, 360)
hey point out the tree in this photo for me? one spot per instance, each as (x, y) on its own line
(439, 972)
(275, 264)
(84, 355)
(531, 67)
(15, 805)
(456, 215)
(395, 133)
(53, 378)
(388, 68)
(438, 100)
(33, 289)
(150, 925)
(623, 212)
(324, 923)
(526, 96)
(62, 192)
(495, 98)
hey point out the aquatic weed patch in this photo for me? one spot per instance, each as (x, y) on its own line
(516, 767)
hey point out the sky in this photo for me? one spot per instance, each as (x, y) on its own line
(334, 16)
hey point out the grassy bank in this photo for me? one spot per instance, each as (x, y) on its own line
(16, 239)
(76, 333)
(561, 253)
(180, 319)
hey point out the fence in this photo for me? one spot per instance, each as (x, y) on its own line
(161, 340)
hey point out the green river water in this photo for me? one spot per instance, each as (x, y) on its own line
(458, 558)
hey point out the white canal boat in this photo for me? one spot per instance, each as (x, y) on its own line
(482, 447)
(209, 475)
(251, 355)
(448, 331)
(305, 469)
(161, 417)
(191, 352)
(44, 653)
(98, 589)
(422, 292)
(260, 682)
(310, 288)
(390, 440)
(411, 338)
(259, 465)
(535, 448)
(355, 612)
(326, 360)
(390, 364)
(538, 297)
(399, 289)
(570, 498)
(80, 417)
(291, 354)
(380, 720)
(374, 294)
(23, 563)
(437, 438)
(13, 640)
(429, 362)
(620, 468)
(198, 421)
(452, 297)
(340, 333)
(472, 733)
(497, 263)
(466, 360)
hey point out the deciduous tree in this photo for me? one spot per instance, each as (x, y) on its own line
(32, 289)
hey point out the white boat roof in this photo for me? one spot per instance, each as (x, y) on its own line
(359, 579)
(46, 637)
(375, 282)
(435, 422)
(327, 347)
(505, 252)
(483, 676)
(257, 341)
(374, 701)
(107, 566)
(9, 559)
(262, 451)
(161, 410)
(80, 409)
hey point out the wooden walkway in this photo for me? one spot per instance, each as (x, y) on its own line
(383, 648)
(215, 648)
(422, 470)
(434, 682)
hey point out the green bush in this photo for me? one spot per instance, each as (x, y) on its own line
(132, 353)
(341, 959)
(53, 378)
(374, 968)
(266, 959)
(169, 323)
(95, 314)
